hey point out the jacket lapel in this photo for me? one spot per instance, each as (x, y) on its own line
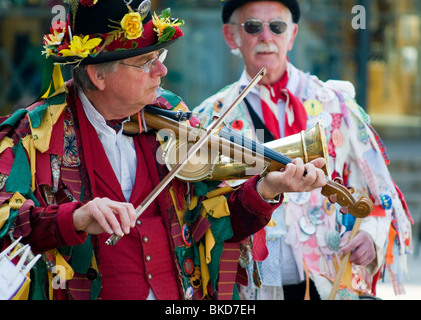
(101, 175)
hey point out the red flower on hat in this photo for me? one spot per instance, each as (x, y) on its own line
(178, 33)
(88, 3)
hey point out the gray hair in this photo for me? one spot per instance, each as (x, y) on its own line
(234, 20)
(81, 77)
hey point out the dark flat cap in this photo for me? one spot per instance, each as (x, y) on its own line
(231, 5)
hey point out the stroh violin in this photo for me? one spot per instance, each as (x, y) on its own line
(195, 154)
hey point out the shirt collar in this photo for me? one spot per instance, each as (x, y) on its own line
(94, 117)
(292, 85)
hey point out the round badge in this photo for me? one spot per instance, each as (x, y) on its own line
(325, 118)
(186, 235)
(333, 240)
(300, 197)
(237, 125)
(196, 279)
(188, 266)
(313, 107)
(189, 293)
(218, 106)
(316, 216)
(386, 201)
(91, 274)
(337, 138)
(307, 228)
(329, 207)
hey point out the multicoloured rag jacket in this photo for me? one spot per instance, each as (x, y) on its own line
(45, 177)
(357, 155)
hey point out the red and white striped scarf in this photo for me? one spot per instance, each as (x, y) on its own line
(295, 113)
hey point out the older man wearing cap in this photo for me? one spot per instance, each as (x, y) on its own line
(71, 176)
(306, 241)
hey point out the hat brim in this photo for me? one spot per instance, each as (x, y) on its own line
(111, 56)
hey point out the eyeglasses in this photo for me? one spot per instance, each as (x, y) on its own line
(256, 26)
(150, 65)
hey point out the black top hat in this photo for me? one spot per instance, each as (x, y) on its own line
(231, 5)
(99, 31)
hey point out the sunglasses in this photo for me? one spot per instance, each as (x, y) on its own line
(256, 26)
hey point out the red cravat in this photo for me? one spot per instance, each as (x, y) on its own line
(295, 113)
(295, 122)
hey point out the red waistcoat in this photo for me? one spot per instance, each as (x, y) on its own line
(143, 259)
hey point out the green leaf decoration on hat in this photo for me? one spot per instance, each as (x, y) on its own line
(166, 35)
(165, 27)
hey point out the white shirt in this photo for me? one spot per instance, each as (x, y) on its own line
(119, 148)
(254, 95)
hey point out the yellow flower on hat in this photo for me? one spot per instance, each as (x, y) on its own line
(54, 38)
(52, 41)
(132, 25)
(81, 47)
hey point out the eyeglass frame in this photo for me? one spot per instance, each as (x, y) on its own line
(262, 25)
(149, 65)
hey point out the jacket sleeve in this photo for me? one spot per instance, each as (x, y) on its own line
(249, 213)
(45, 228)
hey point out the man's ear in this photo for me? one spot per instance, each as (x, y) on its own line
(230, 36)
(96, 77)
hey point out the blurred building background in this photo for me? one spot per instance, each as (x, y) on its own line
(382, 61)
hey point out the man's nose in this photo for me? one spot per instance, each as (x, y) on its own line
(159, 69)
(266, 34)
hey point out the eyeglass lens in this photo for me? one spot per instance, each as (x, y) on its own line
(148, 66)
(256, 26)
(162, 54)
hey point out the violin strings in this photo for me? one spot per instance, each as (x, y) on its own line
(252, 145)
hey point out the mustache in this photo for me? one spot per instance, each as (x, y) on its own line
(266, 48)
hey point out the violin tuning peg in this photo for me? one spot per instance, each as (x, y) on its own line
(333, 198)
(338, 180)
(351, 189)
(344, 210)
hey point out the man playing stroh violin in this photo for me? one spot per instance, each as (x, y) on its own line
(299, 257)
(72, 178)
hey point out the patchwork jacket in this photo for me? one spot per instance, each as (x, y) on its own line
(356, 155)
(49, 167)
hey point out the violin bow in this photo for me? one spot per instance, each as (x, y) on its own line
(215, 125)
